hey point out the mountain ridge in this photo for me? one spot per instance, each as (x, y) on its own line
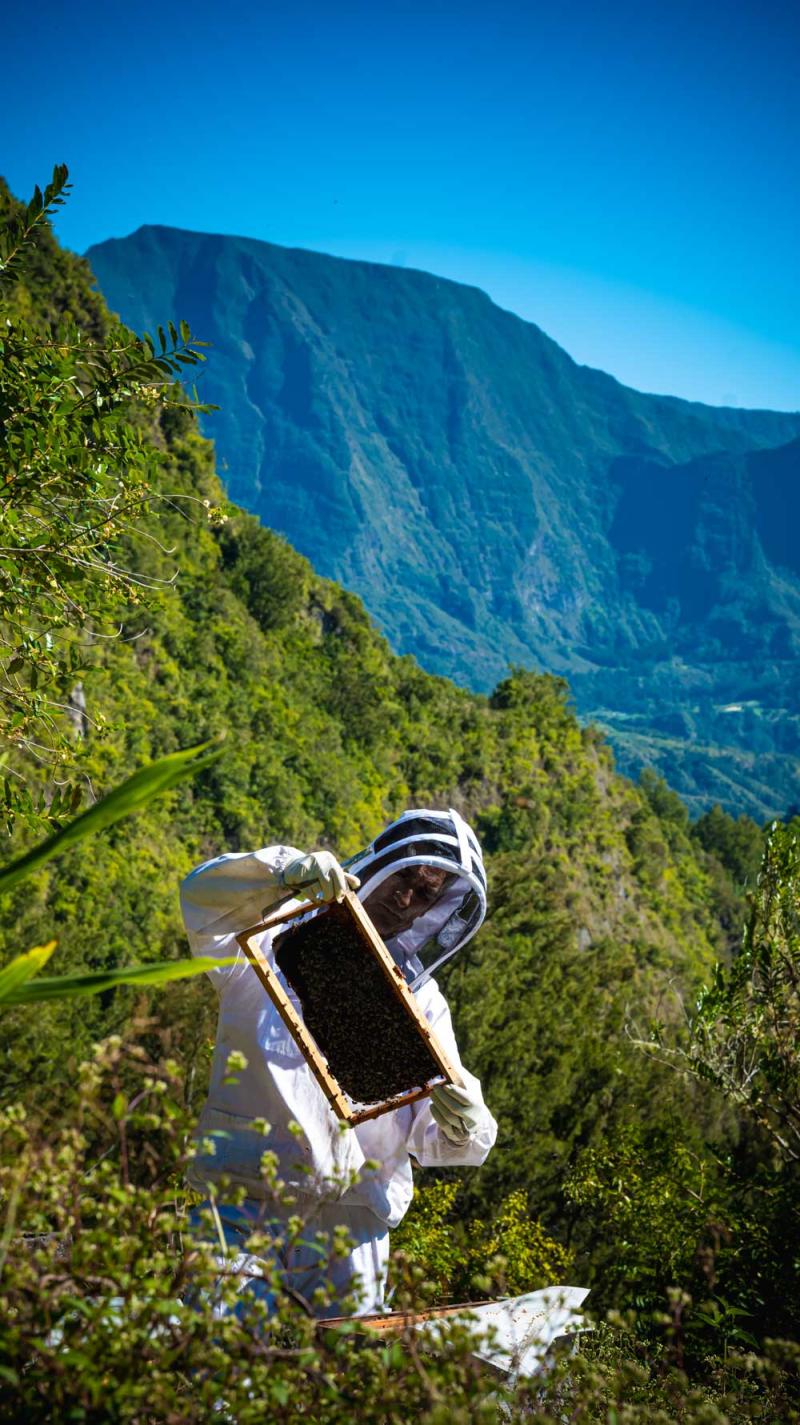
(733, 412)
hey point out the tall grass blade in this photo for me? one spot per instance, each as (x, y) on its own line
(55, 987)
(130, 797)
(14, 975)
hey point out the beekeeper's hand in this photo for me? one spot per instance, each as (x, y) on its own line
(319, 876)
(458, 1112)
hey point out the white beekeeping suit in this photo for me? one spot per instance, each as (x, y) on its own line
(226, 895)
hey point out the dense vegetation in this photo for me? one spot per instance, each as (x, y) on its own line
(626, 1158)
(493, 502)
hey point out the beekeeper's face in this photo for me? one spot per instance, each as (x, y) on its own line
(401, 898)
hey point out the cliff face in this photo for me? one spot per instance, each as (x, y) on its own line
(494, 502)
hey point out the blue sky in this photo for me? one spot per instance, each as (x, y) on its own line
(626, 175)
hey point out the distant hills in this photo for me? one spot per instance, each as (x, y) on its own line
(494, 502)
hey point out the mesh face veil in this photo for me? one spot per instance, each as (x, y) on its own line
(425, 869)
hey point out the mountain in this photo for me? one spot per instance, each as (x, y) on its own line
(493, 502)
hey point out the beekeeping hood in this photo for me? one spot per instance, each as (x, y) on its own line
(429, 838)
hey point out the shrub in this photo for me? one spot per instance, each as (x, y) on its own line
(112, 1310)
(457, 1253)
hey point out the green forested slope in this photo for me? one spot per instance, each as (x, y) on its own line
(135, 618)
(601, 899)
(493, 502)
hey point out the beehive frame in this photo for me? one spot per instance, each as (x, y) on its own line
(335, 1094)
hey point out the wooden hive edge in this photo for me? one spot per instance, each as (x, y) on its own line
(316, 1061)
(335, 1094)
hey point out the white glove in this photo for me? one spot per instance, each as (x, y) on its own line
(319, 876)
(458, 1112)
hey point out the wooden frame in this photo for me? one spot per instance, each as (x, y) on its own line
(335, 1094)
(391, 1321)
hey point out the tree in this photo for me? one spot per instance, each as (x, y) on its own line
(746, 1033)
(78, 398)
(77, 459)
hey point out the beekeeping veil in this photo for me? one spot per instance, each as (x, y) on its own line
(428, 838)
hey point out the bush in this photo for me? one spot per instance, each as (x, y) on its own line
(457, 1254)
(111, 1310)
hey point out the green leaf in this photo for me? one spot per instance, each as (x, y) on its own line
(56, 987)
(130, 797)
(15, 975)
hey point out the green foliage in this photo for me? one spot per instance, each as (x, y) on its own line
(134, 794)
(76, 475)
(741, 1046)
(269, 578)
(20, 990)
(78, 462)
(18, 232)
(327, 734)
(738, 844)
(460, 1255)
(724, 1224)
(744, 1036)
(746, 1033)
(14, 976)
(113, 1310)
(733, 848)
(138, 791)
(664, 802)
(661, 1207)
(618, 1379)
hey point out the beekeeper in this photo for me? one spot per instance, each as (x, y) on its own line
(423, 884)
